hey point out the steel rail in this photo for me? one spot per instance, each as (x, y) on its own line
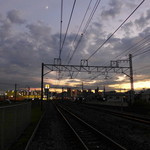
(34, 132)
(91, 128)
(131, 117)
(128, 116)
(84, 145)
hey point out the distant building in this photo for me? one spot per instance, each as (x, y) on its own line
(23, 94)
(69, 91)
(89, 91)
(84, 93)
(75, 93)
(97, 90)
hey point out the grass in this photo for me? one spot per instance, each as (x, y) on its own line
(21, 142)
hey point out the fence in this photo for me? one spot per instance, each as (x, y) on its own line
(13, 120)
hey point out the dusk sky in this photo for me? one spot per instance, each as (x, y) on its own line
(30, 35)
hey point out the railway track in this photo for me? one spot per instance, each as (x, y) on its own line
(52, 132)
(129, 116)
(90, 137)
(79, 134)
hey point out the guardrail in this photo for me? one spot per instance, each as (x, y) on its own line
(13, 120)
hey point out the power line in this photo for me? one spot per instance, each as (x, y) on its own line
(115, 30)
(75, 49)
(85, 28)
(135, 47)
(82, 21)
(80, 26)
(140, 70)
(67, 28)
(145, 46)
(139, 43)
(91, 15)
(142, 53)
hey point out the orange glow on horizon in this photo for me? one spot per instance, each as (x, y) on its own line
(137, 85)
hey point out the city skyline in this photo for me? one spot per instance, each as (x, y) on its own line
(30, 35)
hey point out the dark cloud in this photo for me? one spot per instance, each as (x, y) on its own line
(141, 22)
(115, 8)
(97, 25)
(39, 31)
(128, 29)
(5, 29)
(22, 53)
(1, 17)
(131, 4)
(15, 17)
(144, 20)
(145, 32)
(148, 14)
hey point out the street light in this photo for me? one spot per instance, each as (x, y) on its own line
(47, 86)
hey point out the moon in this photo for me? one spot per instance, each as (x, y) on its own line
(46, 7)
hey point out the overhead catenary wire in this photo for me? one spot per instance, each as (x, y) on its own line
(62, 44)
(82, 21)
(67, 28)
(77, 34)
(141, 70)
(138, 46)
(114, 31)
(135, 46)
(142, 53)
(75, 49)
(125, 20)
(145, 46)
(85, 28)
(91, 15)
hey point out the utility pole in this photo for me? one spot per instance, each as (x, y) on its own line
(42, 75)
(131, 79)
(104, 93)
(82, 87)
(62, 93)
(15, 91)
(131, 72)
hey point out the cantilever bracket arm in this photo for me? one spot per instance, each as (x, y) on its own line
(126, 74)
(47, 73)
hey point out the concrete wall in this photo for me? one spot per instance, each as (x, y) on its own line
(13, 120)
